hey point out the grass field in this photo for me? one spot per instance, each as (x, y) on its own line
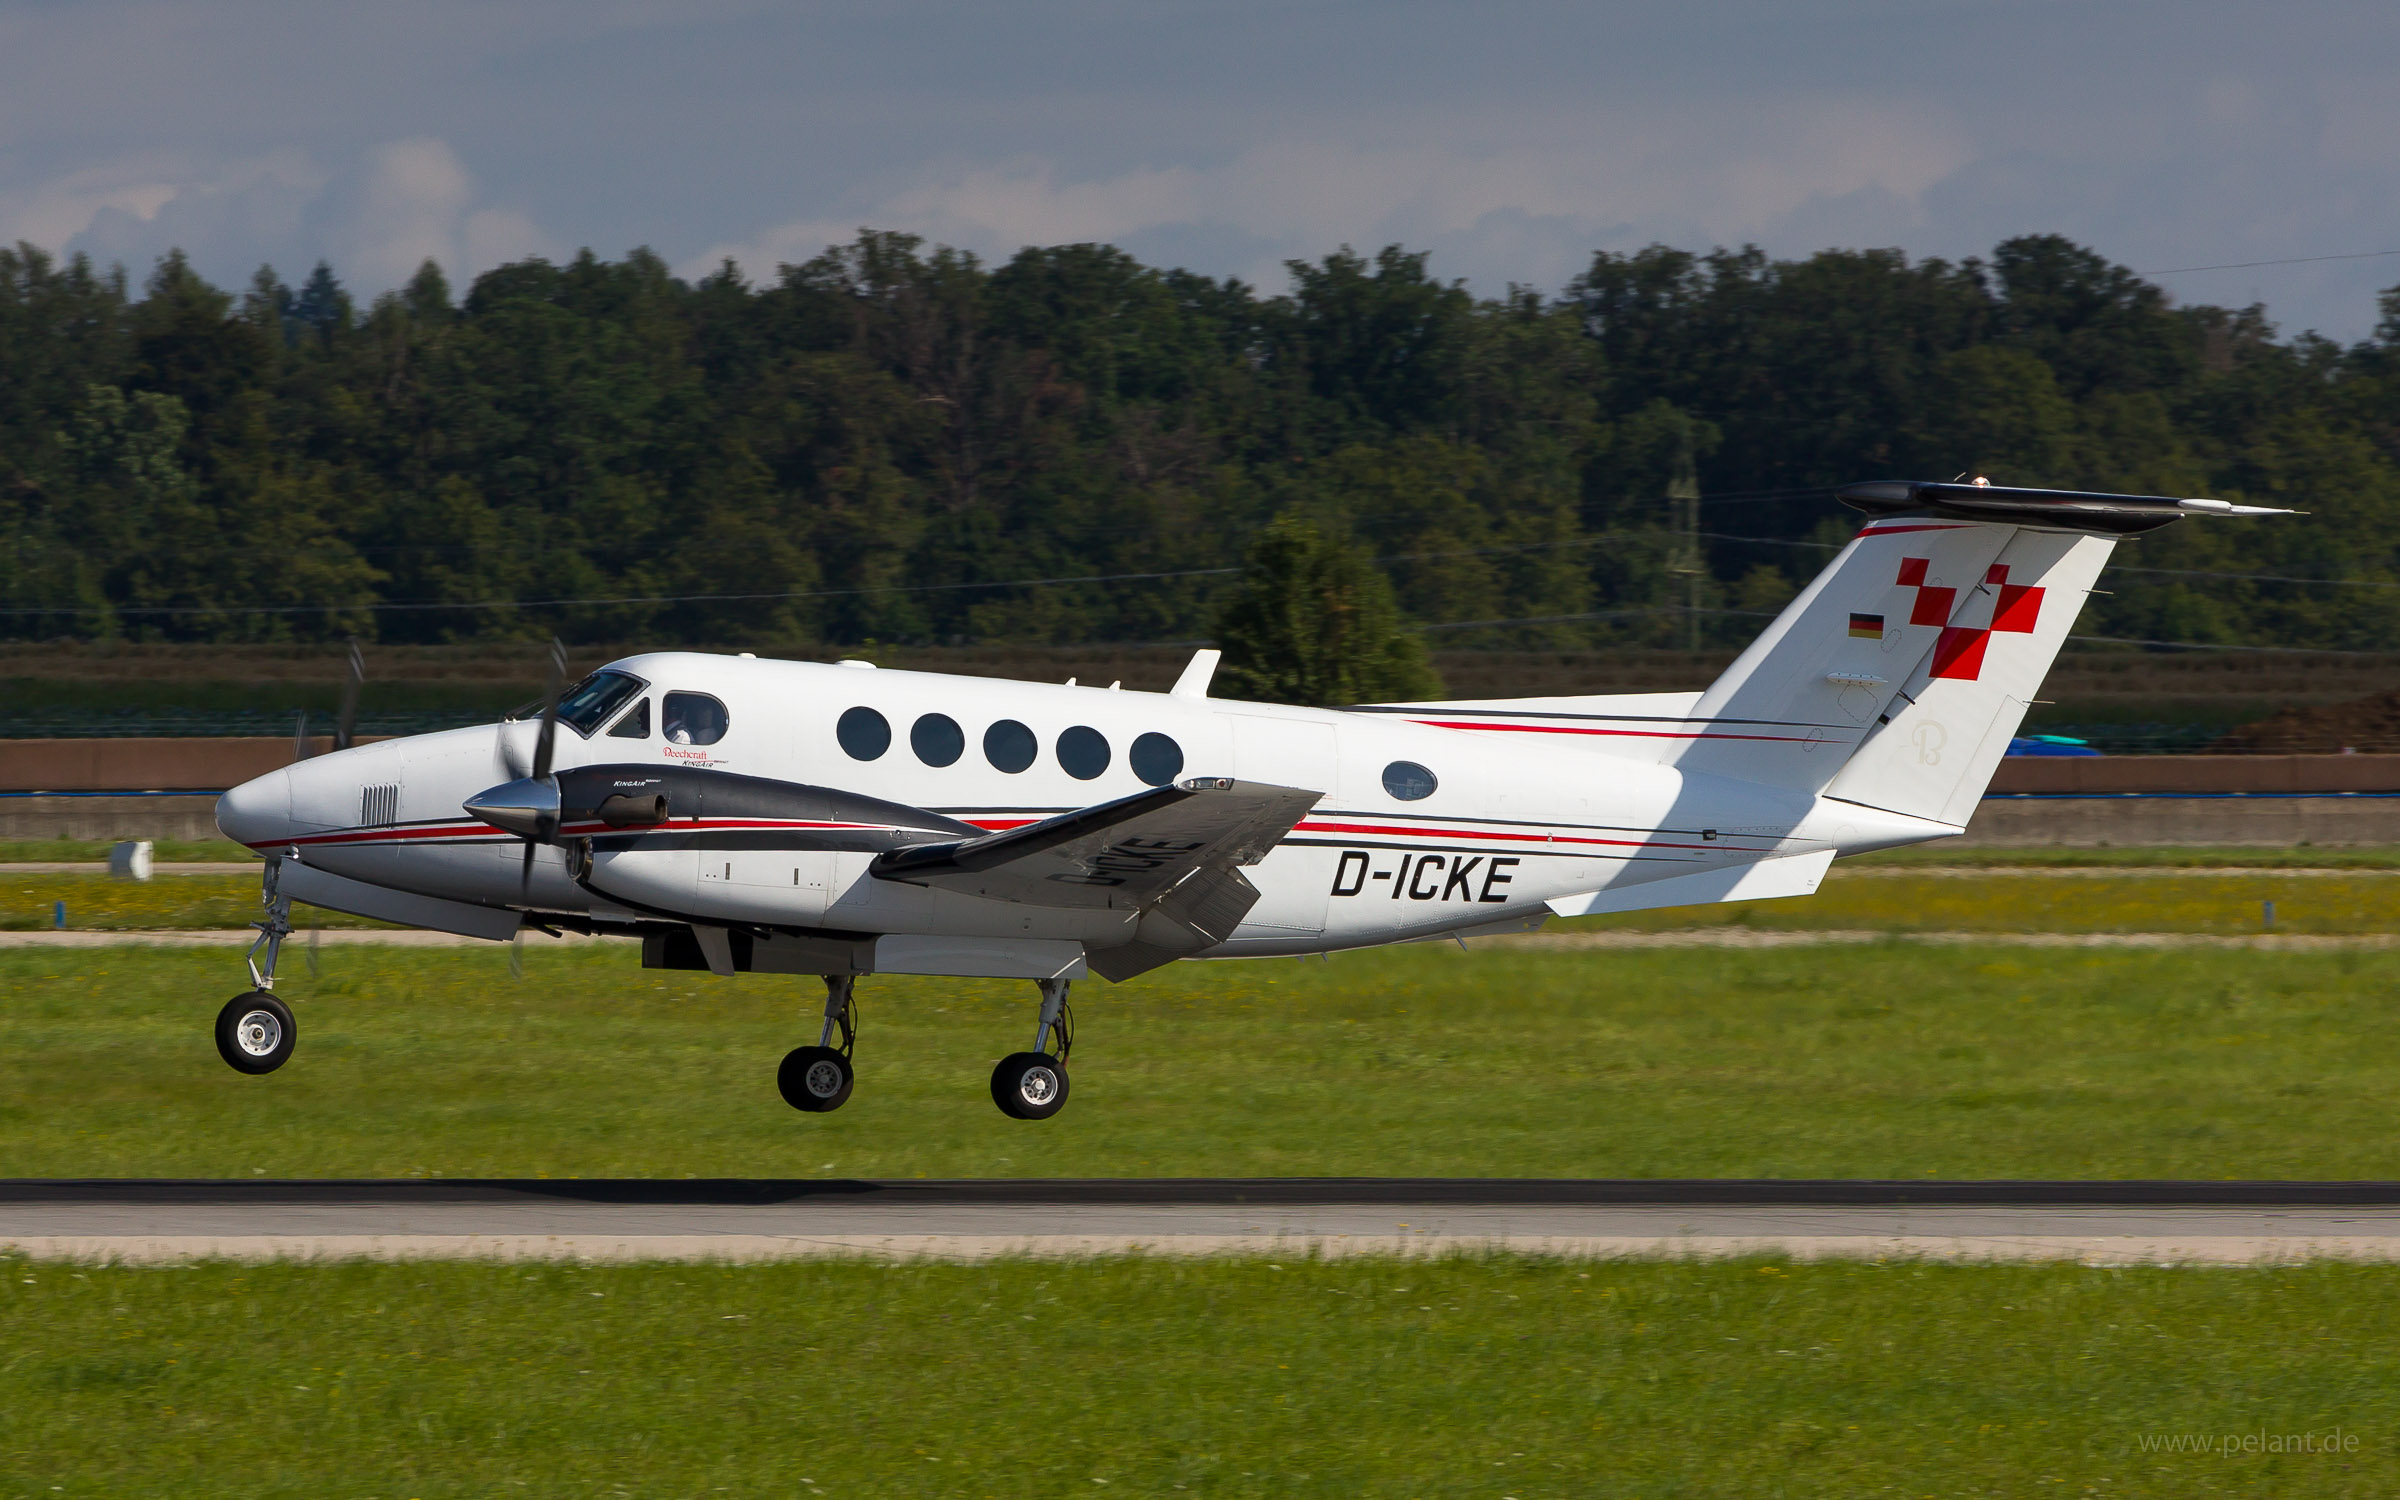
(1874, 1061)
(27, 851)
(1878, 899)
(1462, 1377)
(29, 902)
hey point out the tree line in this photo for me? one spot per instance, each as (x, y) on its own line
(896, 441)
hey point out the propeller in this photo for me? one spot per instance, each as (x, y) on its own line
(545, 819)
(351, 683)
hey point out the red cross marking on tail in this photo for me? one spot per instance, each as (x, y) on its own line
(1958, 653)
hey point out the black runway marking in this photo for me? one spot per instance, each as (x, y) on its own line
(1263, 1191)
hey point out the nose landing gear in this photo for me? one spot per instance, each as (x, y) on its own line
(1033, 1085)
(818, 1079)
(255, 1031)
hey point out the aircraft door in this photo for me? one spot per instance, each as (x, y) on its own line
(1295, 884)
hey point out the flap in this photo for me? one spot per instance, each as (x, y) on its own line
(1118, 855)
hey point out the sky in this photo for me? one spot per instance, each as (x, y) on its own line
(1509, 138)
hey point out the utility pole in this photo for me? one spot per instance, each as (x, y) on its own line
(1683, 500)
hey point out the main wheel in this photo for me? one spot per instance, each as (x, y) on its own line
(255, 1033)
(814, 1079)
(1030, 1085)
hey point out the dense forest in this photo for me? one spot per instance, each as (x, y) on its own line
(897, 442)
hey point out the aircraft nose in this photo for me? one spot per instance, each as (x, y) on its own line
(259, 811)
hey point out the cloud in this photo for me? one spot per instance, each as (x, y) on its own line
(396, 206)
(1520, 209)
(413, 201)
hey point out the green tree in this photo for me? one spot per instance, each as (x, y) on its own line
(1314, 621)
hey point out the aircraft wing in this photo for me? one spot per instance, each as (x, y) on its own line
(1120, 855)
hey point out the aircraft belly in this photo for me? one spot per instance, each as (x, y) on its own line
(478, 872)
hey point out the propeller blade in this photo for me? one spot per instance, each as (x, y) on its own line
(525, 874)
(545, 741)
(352, 682)
(300, 736)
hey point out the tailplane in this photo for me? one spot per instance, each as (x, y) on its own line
(1898, 677)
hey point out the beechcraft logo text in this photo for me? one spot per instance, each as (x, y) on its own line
(1958, 654)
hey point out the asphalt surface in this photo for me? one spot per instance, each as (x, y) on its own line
(2093, 1222)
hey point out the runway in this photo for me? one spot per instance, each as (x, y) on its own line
(2101, 1223)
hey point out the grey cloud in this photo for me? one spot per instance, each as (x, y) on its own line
(1509, 138)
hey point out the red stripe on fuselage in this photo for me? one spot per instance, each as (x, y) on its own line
(1642, 734)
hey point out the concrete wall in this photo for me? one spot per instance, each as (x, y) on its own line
(109, 818)
(137, 765)
(2090, 822)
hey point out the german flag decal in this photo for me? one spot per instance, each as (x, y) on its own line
(1867, 627)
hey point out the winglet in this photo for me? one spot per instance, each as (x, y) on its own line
(1194, 681)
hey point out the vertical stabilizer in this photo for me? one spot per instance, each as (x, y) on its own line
(1793, 708)
(1936, 745)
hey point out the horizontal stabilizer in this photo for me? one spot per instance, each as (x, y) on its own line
(2074, 510)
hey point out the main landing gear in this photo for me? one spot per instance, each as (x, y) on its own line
(1026, 1085)
(255, 1031)
(817, 1079)
(1033, 1085)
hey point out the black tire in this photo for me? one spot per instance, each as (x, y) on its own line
(807, 1079)
(1030, 1085)
(255, 1033)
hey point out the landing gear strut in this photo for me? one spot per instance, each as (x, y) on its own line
(255, 1031)
(817, 1079)
(1033, 1085)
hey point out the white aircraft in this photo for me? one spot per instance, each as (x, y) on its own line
(749, 816)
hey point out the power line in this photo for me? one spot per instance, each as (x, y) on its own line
(2293, 260)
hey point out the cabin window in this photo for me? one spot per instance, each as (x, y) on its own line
(938, 740)
(695, 719)
(635, 725)
(588, 703)
(864, 733)
(1156, 759)
(1010, 746)
(1083, 752)
(1408, 782)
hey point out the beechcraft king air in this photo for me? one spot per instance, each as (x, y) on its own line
(751, 816)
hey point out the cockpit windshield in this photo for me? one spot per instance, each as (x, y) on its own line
(589, 703)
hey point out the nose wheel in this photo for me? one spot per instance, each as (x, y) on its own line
(255, 1031)
(1033, 1085)
(815, 1080)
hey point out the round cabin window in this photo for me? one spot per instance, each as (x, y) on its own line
(864, 733)
(1083, 752)
(1156, 759)
(1010, 746)
(938, 740)
(1408, 782)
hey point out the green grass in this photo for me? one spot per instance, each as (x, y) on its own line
(215, 851)
(1873, 1061)
(2005, 901)
(2140, 857)
(1460, 1377)
(28, 902)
